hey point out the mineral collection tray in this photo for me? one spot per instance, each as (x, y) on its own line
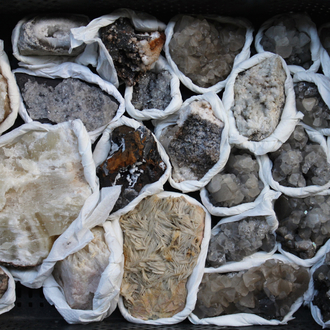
(31, 310)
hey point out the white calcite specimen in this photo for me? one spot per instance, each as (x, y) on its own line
(4, 99)
(42, 189)
(304, 224)
(268, 290)
(259, 99)
(49, 35)
(204, 50)
(162, 238)
(238, 239)
(79, 274)
(193, 145)
(300, 162)
(238, 183)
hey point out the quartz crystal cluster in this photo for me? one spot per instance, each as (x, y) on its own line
(268, 290)
(300, 162)
(152, 91)
(259, 98)
(321, 278)
(132, 52)
(284, 39)
(162, 238)
(193, 145)
(4, 279)
(238, 239)
(133, 162)
(311, 104)
(304, 224)
(60, 100)
(205, 50)
(4, 99)
(238, 183)
(79, 273)
(42, 189)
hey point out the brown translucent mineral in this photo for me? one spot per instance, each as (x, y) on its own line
(4, 278)
(162, 238)
(132, 52)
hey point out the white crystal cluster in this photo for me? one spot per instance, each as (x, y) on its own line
(259, 99)
(204, 50)
(238, 183)
(4, 99)
(238, 239)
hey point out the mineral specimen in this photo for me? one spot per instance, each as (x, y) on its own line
(49, 35)
(132, 52)
(300, 162)
(321, 277)
(284, 39)
(205, 50)
(193, 144)
(238, 183)
(325, 39)
(79, 274)
(268, 290)
(311, 104)
(162, 238)
(4, 279)
(152, 91)
(42, 189)
(4, 99)
(133, 162)
(304, 224)
(259, 99)
(59, 100)
(238, 239)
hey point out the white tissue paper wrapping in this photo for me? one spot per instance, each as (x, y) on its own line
(101, 153)
(304, 24)
(266, 163)
(265, 209)
(76, 71)
(237, 209)
(218, 109)
(243, 55)
(7, 301)
(107, 294)
(77, 234)
(32, 62)
(246, 319)
(323, 85)
(13, 92)
(90, 35)
(289, 118)
(324, 55)
(195, 278)
(174, 105)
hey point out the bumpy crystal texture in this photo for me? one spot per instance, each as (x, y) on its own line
(259, 99)
(152, 91)
(239, 239)
(325, 38)
(321, 277)
(79, 273)
(204, 50)
(193, 145)
(60, 100)
(132, 52)
(268, 290)
(304, 224)
(162, 238)
(42, 190)
(238, 183)
(4, 99)
(300, 162)
(311, 104)
(133, 162)
(284, 39)
(4, 279)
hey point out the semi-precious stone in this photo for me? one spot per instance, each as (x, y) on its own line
(259, 98)
(268, 291)
(204, 50)
(238, 239)
(59, 100)
(162, 238)
(42, 190)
